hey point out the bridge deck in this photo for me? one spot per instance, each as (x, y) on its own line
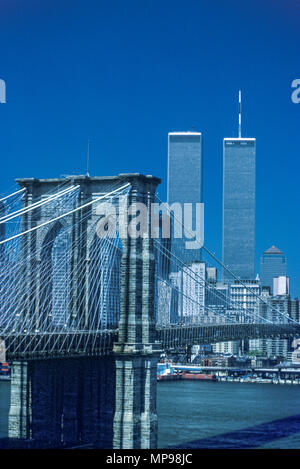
(180, 336)
(100, 343)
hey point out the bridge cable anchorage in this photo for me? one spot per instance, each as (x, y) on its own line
(41, 319)
(253, 294)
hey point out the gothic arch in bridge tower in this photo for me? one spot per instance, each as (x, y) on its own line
(104, 281)
(55, 273)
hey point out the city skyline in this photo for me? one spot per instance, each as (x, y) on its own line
(126, 93)
(225, 141)
(149, 267)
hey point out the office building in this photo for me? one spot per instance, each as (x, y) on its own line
(176, 298)
(211, 275)
(163, 303)
(193, 287)
(185, 183)
(216, 300)
(2, 351)
(244, 308)
(281, 285)
(244, 298)
(239, 155)
(296, 353)
(231, 347)
(273, 263)
(277, 309)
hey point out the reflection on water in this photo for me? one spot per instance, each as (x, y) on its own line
(224, 415)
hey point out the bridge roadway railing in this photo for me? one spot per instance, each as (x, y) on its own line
(184, 335)
(100, 343)
(60, 344)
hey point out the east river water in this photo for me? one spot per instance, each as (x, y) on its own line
(199, 414)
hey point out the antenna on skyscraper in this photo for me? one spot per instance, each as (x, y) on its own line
(240, 114)
(88, 160)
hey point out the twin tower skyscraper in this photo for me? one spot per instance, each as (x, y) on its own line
(185, 185)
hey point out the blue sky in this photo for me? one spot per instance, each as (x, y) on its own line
(124, 74)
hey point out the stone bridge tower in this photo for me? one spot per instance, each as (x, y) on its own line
(109, 401)
(136, 352)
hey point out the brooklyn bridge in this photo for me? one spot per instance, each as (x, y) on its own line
(85, 313)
